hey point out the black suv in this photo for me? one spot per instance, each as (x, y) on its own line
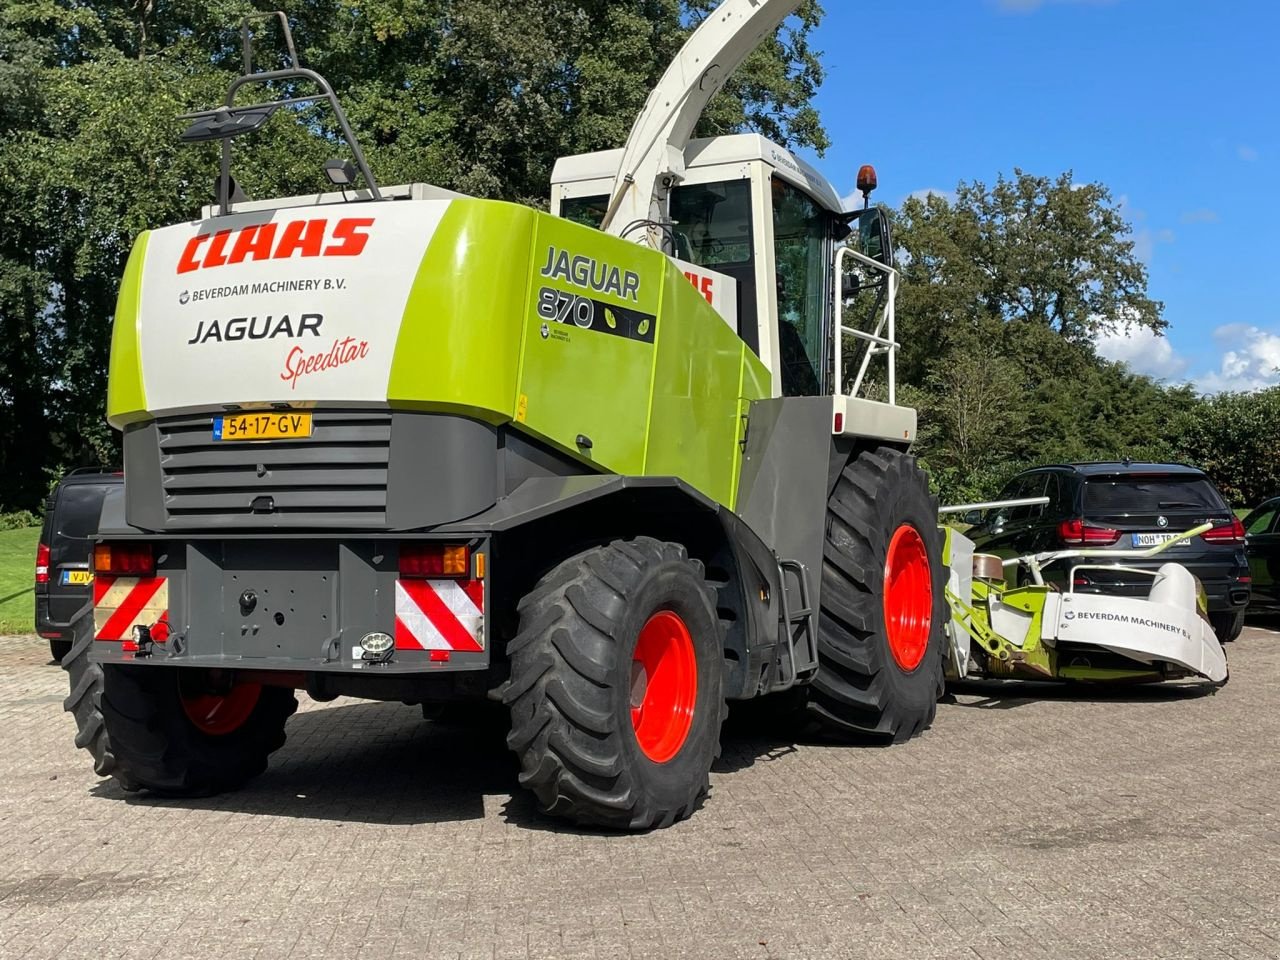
(1125, 506)
(64, 579)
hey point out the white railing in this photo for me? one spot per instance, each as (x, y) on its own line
(882, 340)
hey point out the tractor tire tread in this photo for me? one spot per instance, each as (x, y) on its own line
(560, 694)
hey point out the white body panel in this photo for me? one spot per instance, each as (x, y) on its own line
(213, 330)
(720, 290)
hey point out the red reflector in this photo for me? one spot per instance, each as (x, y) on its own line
(1075, 532)
(1244, 579)
(1232, 533)
(124, 559)
(439, 656)
(428, 559)
(839, 423)
(51, 634)
(42, 563)
(128, 646)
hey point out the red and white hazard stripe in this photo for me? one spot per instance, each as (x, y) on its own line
(440, 615)
(121, 603)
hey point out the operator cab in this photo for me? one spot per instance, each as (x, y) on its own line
(749, 211)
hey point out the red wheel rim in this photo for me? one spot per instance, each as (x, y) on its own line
(220, 714)
(664, 686)
(908, 597)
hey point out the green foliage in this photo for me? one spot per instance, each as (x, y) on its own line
(18, 520)
(17, 579)
(1235, 437)
(479, 96)
(1004, 292)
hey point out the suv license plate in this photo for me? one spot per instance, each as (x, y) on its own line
(76, 577)
(262, 426)
(1151, 539)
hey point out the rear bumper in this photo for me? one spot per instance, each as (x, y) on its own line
(295, 606)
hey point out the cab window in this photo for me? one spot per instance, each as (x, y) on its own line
(587, 211)
(801, 230)
(712, 229)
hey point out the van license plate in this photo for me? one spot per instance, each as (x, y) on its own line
(1151, 539)
(262, 426)
(75, 578)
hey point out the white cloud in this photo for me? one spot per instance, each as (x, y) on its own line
(1246, 153)
(1143, 351)
(1202, 215)
(1250, 359)
(1145, 240)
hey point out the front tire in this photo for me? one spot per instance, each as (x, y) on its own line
(881, 641)
(617, 686)
(175, 732)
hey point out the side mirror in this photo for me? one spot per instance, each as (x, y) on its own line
(874, 237)
(971, 517)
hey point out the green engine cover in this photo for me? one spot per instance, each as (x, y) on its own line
(493, 310)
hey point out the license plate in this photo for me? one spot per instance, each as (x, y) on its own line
(76, 578)
(262, 426)
(1151, 539)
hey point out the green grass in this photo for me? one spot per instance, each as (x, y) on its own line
(17, 572)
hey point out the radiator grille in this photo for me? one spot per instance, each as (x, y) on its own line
(335, 478)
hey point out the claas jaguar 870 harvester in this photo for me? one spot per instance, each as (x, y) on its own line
(608, 465)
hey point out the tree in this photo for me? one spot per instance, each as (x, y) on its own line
(480, 96)
(1004, 291)
(1235, 438)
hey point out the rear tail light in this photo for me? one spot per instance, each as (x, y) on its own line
(124, 559)
(1228, 533)
(427, 559)
(42, 563)
(1076, 532)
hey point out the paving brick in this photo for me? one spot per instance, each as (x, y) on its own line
(1050, 823)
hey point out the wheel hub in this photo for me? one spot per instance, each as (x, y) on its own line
(908, 597)
(664, 686)
(218, 714)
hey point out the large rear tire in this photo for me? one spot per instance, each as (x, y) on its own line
(175, 732)
(84, 702)
(880, 638)
(617, 686)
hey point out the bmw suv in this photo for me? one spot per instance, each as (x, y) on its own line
(1126, 506)
(64, 578)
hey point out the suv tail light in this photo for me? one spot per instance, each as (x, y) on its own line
(1075, 532)
(1231, 533)
(420, 558)
(42, 563)
(124, 559)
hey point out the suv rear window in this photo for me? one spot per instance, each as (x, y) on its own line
(78, 508)
(1121, 494)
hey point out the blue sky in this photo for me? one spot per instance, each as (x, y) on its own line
(1172, 104)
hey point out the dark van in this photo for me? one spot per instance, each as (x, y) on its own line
(64, 574)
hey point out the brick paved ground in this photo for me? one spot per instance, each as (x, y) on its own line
(1073, 825)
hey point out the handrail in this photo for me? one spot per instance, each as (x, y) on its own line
(881, 340)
